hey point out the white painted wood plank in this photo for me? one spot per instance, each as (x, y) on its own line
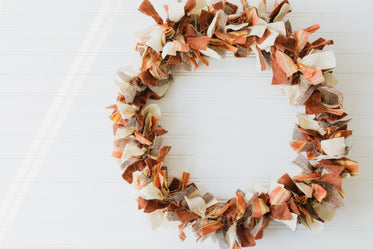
(47, 43)
(317, 6)
(57, 22)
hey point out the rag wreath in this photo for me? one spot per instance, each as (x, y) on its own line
(193, 32)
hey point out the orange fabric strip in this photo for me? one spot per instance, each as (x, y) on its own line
(286, 63)
(259, 208)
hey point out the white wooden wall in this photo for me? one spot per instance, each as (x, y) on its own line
(59, 186)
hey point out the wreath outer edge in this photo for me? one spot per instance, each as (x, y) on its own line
(193, 32)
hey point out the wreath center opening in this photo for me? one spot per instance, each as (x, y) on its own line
(228, 129)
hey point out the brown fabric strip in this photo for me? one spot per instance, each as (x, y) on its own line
(205, 18)
(289, 184)
(279, 76)
(280, 212)
(199, 43)
(288, 43)
(313, 104)
(147, 78)
(245, 238)
(276, 11)
(190, 5)
(130, 169)
(147, 8)
(186, 215)
(150, 206)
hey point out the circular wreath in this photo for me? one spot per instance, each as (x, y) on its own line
(192, 32)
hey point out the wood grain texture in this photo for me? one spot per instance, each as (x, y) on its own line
(59, 187)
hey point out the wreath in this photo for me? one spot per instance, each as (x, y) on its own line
(193, 32)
